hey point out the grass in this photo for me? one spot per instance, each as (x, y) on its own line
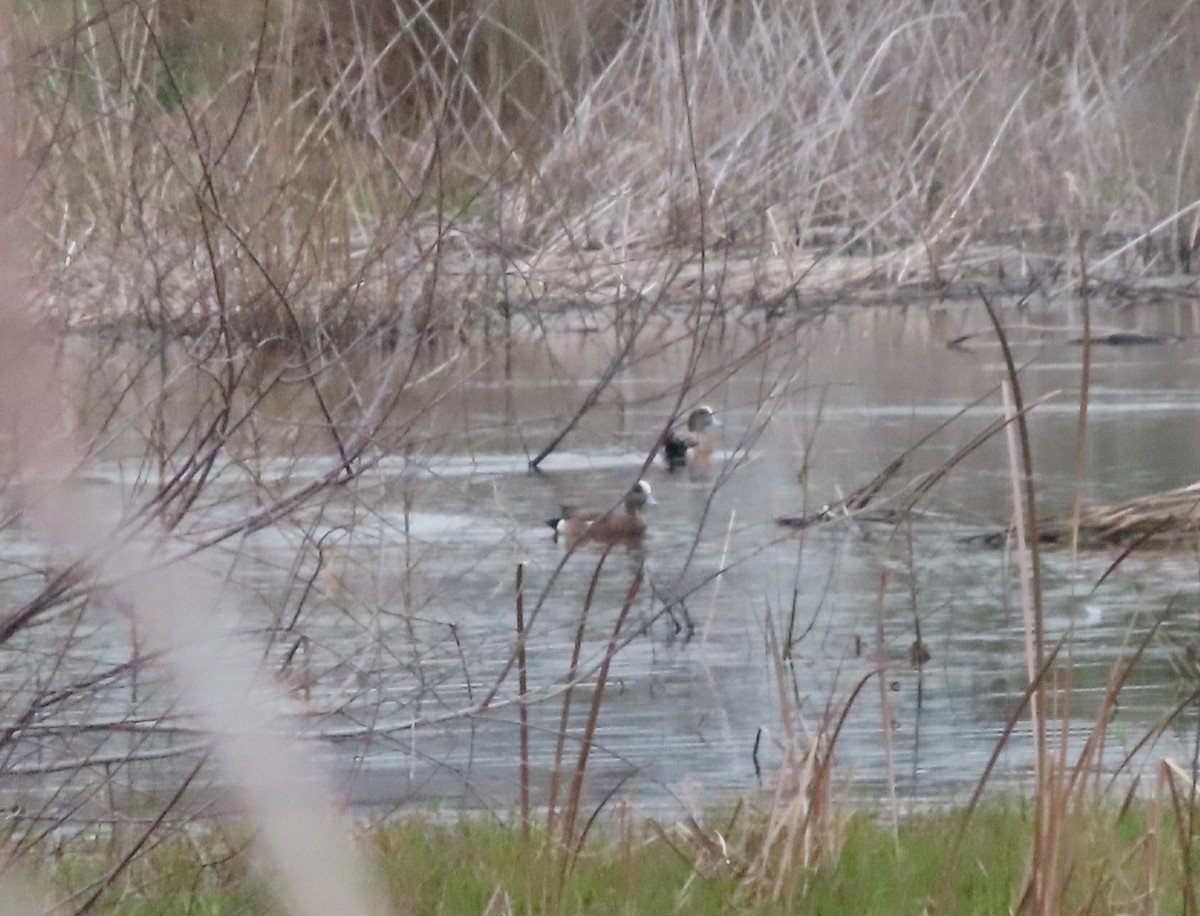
(461, 868)
(481, 864)
(877, 873)
(198, 872)
(309, 186)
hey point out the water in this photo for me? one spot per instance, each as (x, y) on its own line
(386, 605)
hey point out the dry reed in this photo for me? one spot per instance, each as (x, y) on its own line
(410, 166)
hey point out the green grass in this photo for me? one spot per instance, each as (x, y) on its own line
(189, 872)
(875, 874)
(480, 864)
(460, 868)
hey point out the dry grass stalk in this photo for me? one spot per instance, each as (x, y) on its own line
(179, 608)
(800, 833)
(572, 836)
(1085, 384)
(1180, 787)
(1165, 517)
(803, 830)
(522, 708)
(1044, 878)
(886, 724)
(564, 720)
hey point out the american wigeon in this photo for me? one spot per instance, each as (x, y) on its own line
(691, 446)
(620, 524)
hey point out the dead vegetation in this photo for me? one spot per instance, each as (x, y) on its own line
(380, 165)
(381, 185)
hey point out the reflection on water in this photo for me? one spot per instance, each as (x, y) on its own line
(388, 604)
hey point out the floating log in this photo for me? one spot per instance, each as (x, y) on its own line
(1127, 339)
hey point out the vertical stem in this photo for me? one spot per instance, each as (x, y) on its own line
(1032, 666)
(1035, 890)
(565, 716)
(885, 707)
(1085, 377)
(1028, 531)
(408, 561)
(589, 730)
(522, 709)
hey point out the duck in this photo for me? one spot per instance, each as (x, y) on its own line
(621, 524)
(691, 446)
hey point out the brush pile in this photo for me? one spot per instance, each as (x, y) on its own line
(1171, 516)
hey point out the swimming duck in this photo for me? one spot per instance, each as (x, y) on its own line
(621, 524)
(691, 446)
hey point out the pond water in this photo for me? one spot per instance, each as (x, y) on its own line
(390, 602)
